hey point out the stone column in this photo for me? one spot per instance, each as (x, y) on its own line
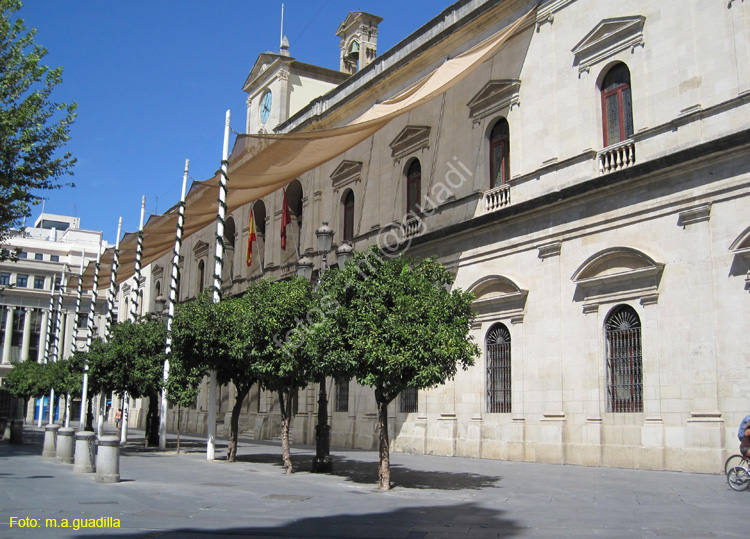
(26, 334)
(43, 336)
(8, 335)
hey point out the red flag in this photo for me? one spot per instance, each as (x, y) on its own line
(251, 237)
(285, 220)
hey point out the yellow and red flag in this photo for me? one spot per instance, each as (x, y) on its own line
(251, 237)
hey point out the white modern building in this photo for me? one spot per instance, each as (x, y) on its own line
(38, 316)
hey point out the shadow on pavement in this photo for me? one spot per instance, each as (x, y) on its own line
(364, 472)
(467, 520)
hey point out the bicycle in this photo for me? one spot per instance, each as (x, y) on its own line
(737, 470)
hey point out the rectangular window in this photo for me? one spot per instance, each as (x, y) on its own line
(408, 401)
(4, 279)
(342, 395)
(22, 281)
(38, 256)
(83, 319)
(39, 283)
(22, 254)
(54, 258)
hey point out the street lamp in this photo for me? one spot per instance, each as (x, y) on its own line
(305, 268)
(344, 254)
(322, 462)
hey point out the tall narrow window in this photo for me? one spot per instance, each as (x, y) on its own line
(498, 369)
(201, 275)
(617, 105)
(624, 361)
(499, 154)
(349, 216)
(408, 402)
(342, 395)
(413, 187)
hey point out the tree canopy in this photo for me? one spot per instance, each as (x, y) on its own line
(393, 323)
(33, 128)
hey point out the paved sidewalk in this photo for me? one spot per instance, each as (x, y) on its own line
(165, 495)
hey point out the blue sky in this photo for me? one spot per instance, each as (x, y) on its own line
(154, 79)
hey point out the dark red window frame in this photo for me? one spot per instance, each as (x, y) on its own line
(500, 142)
(617, 90)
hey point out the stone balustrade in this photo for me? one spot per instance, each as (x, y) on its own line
(496, 198)
(616, 157)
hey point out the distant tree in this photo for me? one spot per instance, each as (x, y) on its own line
(399, 327)
(27, 380)
(133, 361)
(183, 386)
(66, 378)
(207, 337)
(272, 311)
(32, 127)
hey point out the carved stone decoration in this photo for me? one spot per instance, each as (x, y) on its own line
(495, 96)
(409, 140)
(608, 38)
(498, 297)
(200, 250)
(741, 249)
(345, 173)
(617, 274)
(157, 271)
(696, 214)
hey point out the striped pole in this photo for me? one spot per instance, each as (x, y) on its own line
(219, 263)
(89, 338)
(133, 316)
(56, 341)
(170, 312)
(113, 284)
(79, 293)
(47, 341)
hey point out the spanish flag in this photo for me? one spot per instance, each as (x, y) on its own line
(251, 237)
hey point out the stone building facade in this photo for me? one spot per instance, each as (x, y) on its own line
(590, 184)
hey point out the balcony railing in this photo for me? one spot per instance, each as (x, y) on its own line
(496, 198)
(412, 227)
(616, 157)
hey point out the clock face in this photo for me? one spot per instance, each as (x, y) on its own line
(265, 106)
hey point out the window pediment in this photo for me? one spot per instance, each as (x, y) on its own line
(496, 295)
(618, 273)
(345, 173)
(409, 140)
(201, 249)
(157, 270)
(608, 38)
(494, 96)
(741, 245)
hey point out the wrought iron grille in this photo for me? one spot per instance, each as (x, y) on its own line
(408, 401)
(498, 370)
(342, 395)
(624, 361)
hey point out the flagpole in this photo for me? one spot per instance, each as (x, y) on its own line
(219, 262)
(170, 312)
(133, 315)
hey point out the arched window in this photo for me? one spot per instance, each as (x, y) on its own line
(617, 105)
(498, 369)
(414, 187)
(157, 289)
(348, 216)
(624, 360)
(201, 275)
(499, 154)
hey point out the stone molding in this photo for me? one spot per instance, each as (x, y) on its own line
(409, 140)
(345, 173)
(608, 38)
(697, 214)
(495, 96)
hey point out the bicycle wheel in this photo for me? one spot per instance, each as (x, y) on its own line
(733, 461)
(738, 478)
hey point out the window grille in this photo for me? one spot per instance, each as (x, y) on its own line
(624, 361)
(342, 395)
(408, 401)
(498, 370)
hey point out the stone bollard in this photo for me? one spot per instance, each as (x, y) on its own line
(64, 454)
(108, 460)
(16, 431)
(50, 441)
(84, 454)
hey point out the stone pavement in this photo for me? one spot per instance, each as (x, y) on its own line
(166, 495)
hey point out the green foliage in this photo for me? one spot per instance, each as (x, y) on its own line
(66, 376)
(32, 128)
(132, 360)
(183, 384)
(393, 323)
(28, 379)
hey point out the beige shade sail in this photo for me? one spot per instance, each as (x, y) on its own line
(261, 164)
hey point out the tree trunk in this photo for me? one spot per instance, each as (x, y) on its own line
(152, 421)
(235, 423)
(384, 466)
(179, 416)
(286, 421)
